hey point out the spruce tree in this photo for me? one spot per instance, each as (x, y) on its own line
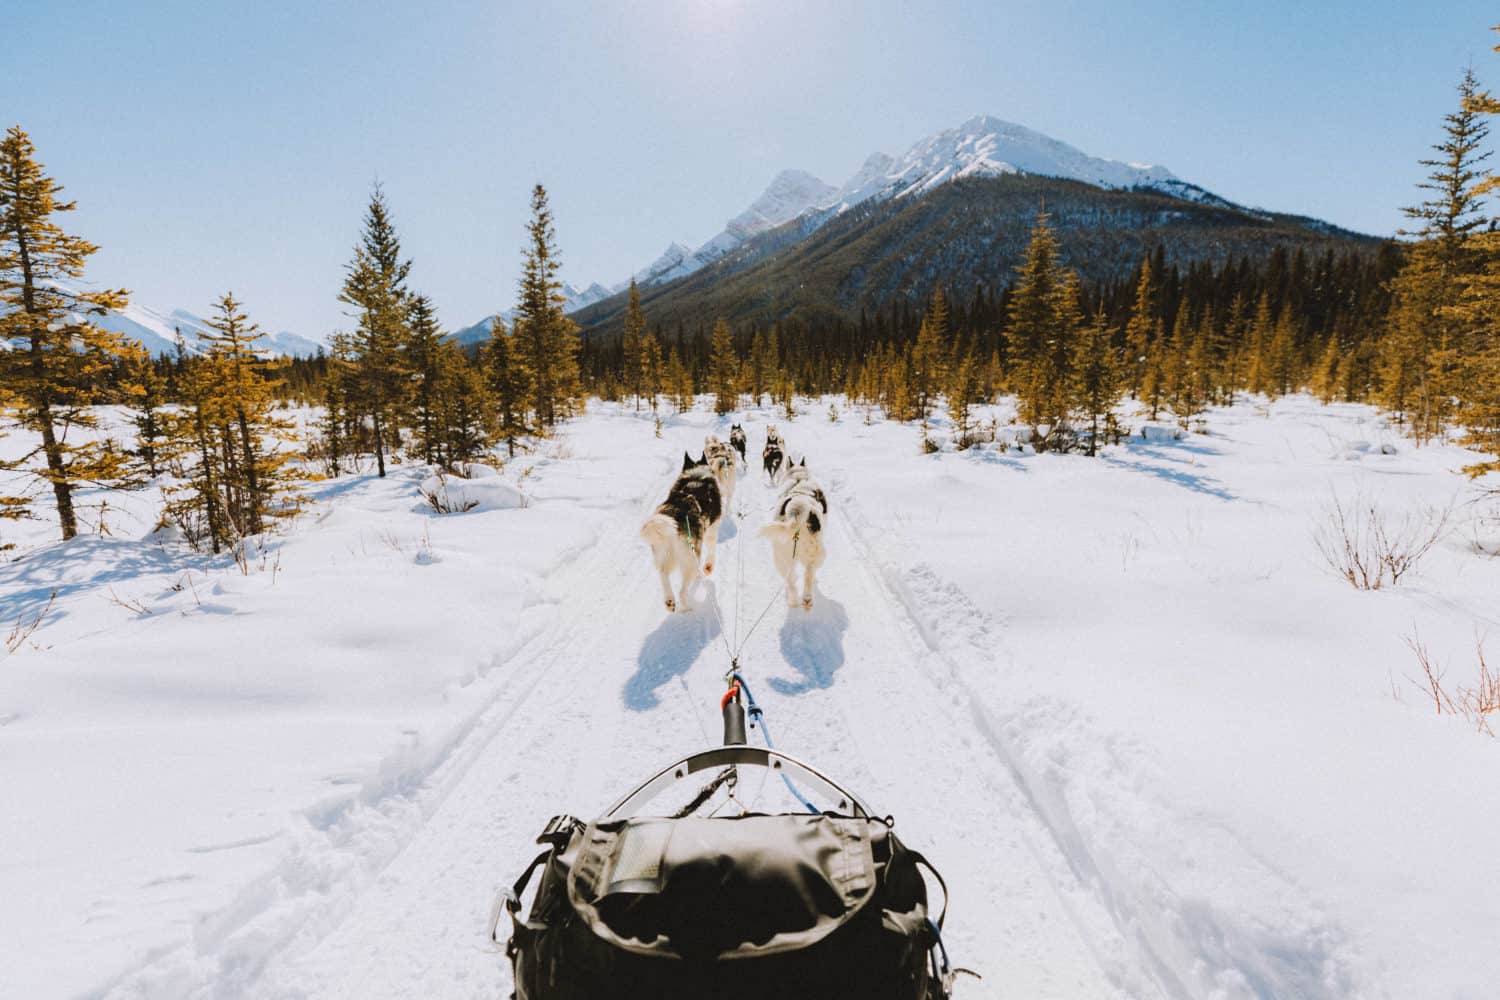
(723, 367)
(428, 362)
(375, 285)
(1423, 346)
(928, 362)
(633, 345)
(148, 399)
(1097, 382)
(508, 385)
(1044, 316)
(59, 359)
(1142, 331)
(546, 341)
(652, 368)
(254, 467)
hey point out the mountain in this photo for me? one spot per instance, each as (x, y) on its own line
(983, 146)
(966, 232)
(573, 300)
(157, 332)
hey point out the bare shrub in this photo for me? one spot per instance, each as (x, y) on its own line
(439, 500)
(1370, 548)
(1478, 704)
(25, 627)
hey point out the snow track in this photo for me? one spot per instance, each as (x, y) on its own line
(1140, 736)
(616, 688)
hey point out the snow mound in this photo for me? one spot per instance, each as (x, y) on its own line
(1162, 432)
(485, 490)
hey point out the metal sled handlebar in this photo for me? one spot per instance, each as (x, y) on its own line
(727, 756)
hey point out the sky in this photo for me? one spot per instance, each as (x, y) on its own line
(216, 146)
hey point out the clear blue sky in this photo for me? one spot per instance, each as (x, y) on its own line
(231, 145)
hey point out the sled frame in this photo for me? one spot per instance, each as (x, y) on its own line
(735, 756)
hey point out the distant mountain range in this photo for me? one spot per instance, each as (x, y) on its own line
(789, 218)
(158, 333)
(957, 207)
(807, 245)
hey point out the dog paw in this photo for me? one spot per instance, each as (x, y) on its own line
(671, 604)
(708, 569)
(807, 603)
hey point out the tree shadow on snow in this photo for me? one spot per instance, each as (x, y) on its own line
(812, 642)
(1187, 480)
(668, 652)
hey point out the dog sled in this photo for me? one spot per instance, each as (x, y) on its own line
(824, 904)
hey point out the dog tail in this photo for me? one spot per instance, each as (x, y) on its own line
(779, 530)
(659, 529)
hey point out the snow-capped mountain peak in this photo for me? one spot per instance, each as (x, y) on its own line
(983, 146)
(790, 193)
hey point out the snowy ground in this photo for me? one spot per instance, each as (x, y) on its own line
(1156, 747)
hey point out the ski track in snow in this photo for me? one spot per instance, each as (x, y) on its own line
(615, 689)
(896, 684)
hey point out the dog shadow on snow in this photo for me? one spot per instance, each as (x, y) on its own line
(812, 643)
(670, 649)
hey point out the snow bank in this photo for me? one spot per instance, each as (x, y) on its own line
(483, 490)
(1162, 432)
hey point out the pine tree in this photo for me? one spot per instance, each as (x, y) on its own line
(633, 345)
(928, 362)
(375, 285)
(508, 385)
(196, 503)
(1476, 312)
(148, 398)
(546, 341)
(723, 366)
(679, 382)
(463, 408)
(428, 362)
(254, 467)
(652, 372)
(56, 369)
(1325, 377)
(1044, 317)
(963, 392)
(1097, 382)
(1142, 331)
(1421, 354)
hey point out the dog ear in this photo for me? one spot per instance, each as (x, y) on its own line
(687, 461)
(703, 459)
(803, 463)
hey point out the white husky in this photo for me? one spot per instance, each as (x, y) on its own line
(721, 461)
(797, 532)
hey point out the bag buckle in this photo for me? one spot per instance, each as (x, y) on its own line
(559, 831)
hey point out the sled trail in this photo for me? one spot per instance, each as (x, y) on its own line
(620, 687)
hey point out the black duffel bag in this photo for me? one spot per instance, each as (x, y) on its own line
(769, 907)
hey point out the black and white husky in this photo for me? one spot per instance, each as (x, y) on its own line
(738, 443)
(774, 453)
(796, 534)
(720, 458)
(684, 527)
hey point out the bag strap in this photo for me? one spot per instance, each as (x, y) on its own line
(919, 859)
(510, 899)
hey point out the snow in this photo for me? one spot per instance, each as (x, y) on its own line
(1156, 747)
(482, 489)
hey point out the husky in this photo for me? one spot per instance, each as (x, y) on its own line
(738, 443)
(684, 527)
(774, 453)
(720, 458)
(796, 534)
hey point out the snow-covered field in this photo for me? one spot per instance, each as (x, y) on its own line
(1157, 747)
